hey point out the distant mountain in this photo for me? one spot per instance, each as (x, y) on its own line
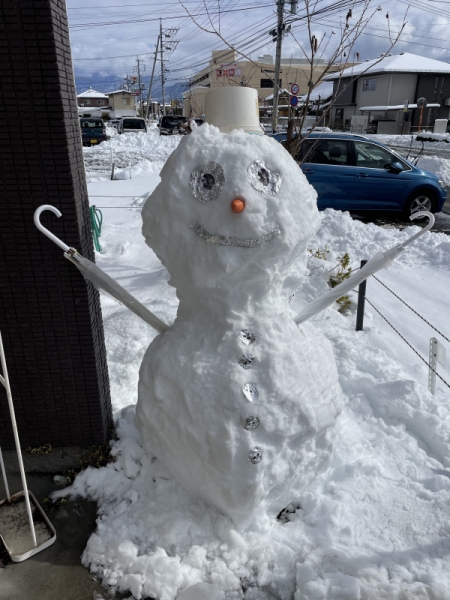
(109, 83)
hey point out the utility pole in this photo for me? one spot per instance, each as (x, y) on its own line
(276, 83)
(138, 70)
(170, 46)
(162, 67)
(277, 34)
(150, 85)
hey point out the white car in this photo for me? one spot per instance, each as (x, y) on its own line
(132, 124)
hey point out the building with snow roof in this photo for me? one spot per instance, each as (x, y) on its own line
(380, 88)
(92, 99)
(122, 103)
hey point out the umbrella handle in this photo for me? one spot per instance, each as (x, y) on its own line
(45, 231)
(428, 226)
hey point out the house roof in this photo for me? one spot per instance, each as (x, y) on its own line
(395, 63)
(119, 92)
(324, 90)
(283, 91)
(394, 107)
(90, 93)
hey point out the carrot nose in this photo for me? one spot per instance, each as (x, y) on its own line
(237, 205)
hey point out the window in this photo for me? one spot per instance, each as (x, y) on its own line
(91, 124)
(369, 85)
(370, 156)
(125, 101)
(324, 152)
(100, 101)
(268, 83)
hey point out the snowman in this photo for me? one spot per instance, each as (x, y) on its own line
(237, 400)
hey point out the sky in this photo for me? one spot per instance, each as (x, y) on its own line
(107, 36)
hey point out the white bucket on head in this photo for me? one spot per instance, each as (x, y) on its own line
(229, 108)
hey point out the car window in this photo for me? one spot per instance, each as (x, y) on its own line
(133, 124)
(371, 156)
(324, 152)
(172, 121)
(91, 124)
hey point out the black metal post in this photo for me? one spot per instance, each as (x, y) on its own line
(361, 302)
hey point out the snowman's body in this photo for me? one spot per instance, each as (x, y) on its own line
(236, 400)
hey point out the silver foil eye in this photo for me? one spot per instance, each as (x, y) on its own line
(255, 455)
(262, 180)
(246, 360)
(251, 423)
(247, 337)
(207, 182)
(250, 391)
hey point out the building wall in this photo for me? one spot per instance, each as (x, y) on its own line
(93, 102)
(121, 101)
(253, 75)
(194, 102)
(50, 318)
(403, 88)
(434, 88)
(379, 96)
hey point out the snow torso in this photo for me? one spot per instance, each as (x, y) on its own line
(236, 400)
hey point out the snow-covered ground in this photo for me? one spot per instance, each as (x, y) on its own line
(376, 525)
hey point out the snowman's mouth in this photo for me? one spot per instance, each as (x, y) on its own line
(222, 240)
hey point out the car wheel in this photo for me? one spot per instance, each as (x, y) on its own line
(423, 200)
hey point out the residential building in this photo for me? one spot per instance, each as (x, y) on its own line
(382, 88)
(92, 99)
(121, 103)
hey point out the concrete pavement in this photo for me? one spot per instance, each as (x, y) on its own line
(55, 573)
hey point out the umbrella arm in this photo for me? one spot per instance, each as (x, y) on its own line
(102, 280)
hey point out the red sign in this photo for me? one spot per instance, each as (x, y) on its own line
(294, 88)
(135, 94)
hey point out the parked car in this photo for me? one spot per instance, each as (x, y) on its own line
(93, 131)
(172, 125)
(136, 124)
(354, 173)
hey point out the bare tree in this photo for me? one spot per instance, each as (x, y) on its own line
(335, 48)
(332, 51)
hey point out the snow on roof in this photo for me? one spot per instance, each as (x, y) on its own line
(90, 93)
(394, 107)
(119, 92)
(283, 91)
(396, 63)
(324, 90)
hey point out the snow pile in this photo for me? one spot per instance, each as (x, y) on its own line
(439, 166)
(127, 150)
(427, 136)
(375, 525)
(411, 141)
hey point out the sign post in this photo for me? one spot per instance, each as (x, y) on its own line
(421, 103)
(405, 110)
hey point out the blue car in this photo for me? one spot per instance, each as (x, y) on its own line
(354, 173)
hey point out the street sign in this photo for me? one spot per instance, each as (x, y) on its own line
(294, 100)
(421, 102)
(294, 89)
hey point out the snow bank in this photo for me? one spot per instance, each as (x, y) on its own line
(438, 166)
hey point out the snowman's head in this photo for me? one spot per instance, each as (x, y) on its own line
(230, 208)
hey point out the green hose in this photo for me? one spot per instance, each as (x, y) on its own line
(96, 222)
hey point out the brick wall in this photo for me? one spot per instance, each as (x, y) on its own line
(50, 318)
